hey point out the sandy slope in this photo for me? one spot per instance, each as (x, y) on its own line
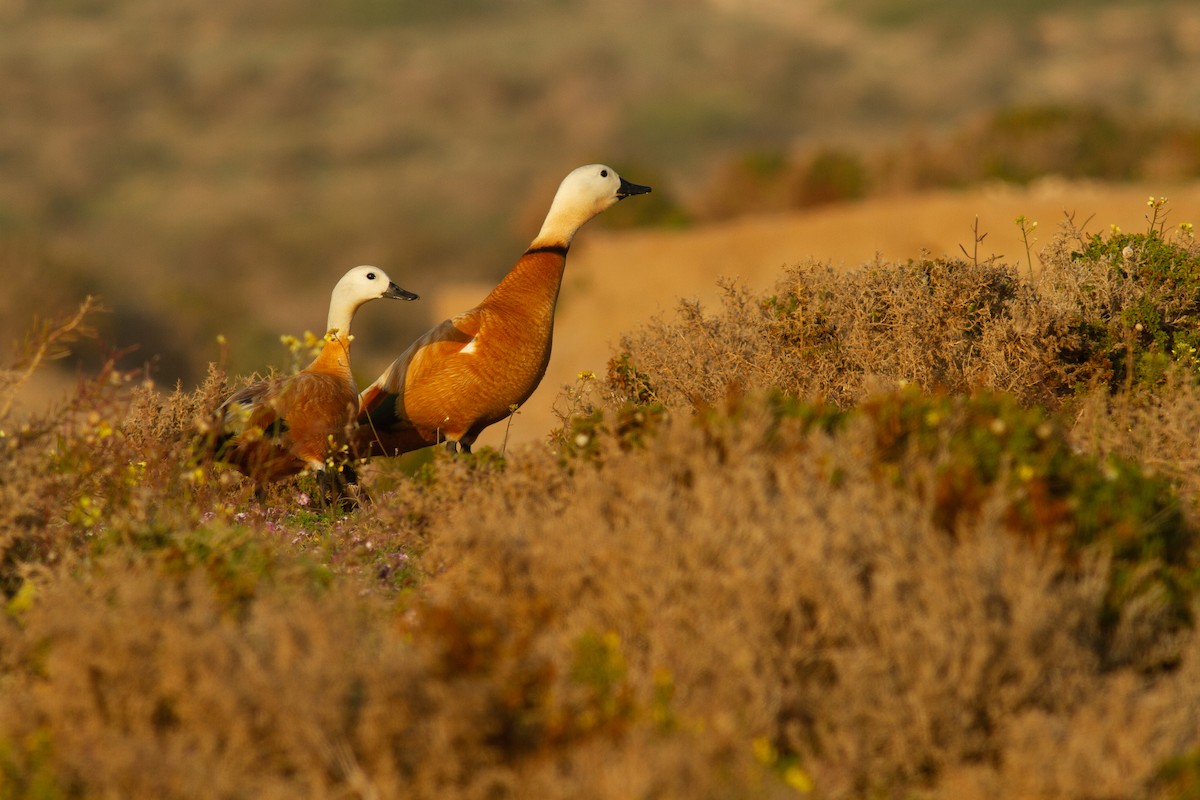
(616, 281)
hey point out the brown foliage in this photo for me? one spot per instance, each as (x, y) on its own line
(630, 624)
(714, 591)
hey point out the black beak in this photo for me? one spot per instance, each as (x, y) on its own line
(626, 189)
(400, 294)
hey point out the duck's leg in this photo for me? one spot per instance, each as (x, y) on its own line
(354, 494)
(331, 486)
(341, 487)
(325, 488)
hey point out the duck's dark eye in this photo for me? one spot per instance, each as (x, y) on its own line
(603, 173)
(370, 276)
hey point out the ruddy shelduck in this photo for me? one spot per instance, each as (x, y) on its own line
(475, 369)
(283, 425)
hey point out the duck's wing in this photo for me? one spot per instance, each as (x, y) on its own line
(384, 428)
(252, 433)
(250, 412)
(420, 361)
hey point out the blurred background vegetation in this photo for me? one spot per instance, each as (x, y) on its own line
(212, 167)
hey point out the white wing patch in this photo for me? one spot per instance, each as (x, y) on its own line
(469, 347)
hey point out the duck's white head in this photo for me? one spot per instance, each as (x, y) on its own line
(583, 194)
(360, 285)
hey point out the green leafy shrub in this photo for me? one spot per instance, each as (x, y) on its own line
(1157, 321)
(628, 381)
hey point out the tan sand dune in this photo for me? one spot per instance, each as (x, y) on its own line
(615, 281)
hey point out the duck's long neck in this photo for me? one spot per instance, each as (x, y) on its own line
(334, 357)
(339, 319)
(531, 286)
(562, 222)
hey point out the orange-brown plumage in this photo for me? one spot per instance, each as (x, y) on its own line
(473, 369)
(278, 427)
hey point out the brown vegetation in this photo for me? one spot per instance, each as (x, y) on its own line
(751, 567)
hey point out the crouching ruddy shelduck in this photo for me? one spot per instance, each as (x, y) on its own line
(281, 426)
(474, 369)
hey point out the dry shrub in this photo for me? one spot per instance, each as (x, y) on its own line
(703, 615)
(112, 464)
(284, 689)
(1158, 427)
(1105, 311)
(155, 690)
(949, 325)
(703, 591)
(785, 592)
(81, 474)
(38, 481)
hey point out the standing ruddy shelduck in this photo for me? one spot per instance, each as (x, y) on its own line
(278, 427)
(473, 370)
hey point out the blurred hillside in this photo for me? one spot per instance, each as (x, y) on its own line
(212, 167)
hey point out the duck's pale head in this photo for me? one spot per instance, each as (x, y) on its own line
(360, 285)
(367, 283)
(584, 193)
